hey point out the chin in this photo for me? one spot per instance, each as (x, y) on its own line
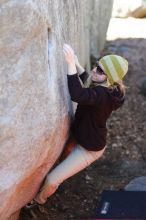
(94, 81)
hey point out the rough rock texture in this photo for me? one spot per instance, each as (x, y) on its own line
(124, 8)
(100, 17)
(35, 107)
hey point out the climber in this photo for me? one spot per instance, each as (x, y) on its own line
(97, 96)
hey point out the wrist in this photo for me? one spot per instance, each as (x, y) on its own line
(72, 69)
(77, 64)
(80, 69)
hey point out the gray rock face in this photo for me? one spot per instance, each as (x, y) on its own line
(35, 106)
(100, 17)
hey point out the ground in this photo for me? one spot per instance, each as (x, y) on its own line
(125, 156)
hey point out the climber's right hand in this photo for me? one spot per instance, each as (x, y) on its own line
(69, 54)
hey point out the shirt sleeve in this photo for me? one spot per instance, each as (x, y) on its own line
(83, 76)
(84, 96)
(118, 98)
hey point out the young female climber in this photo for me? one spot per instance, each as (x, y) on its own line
(97, 96)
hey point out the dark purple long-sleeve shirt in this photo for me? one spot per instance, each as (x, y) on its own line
(94, 108)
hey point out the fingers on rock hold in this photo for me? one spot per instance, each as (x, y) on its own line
(68, 48)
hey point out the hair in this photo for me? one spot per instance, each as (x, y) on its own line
(119, 85)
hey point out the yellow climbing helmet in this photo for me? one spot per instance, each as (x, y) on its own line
(114, 66)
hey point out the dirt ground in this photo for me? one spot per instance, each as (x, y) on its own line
(125, 156)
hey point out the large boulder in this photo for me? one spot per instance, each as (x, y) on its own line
(100, 17)
(35, 105)
(124, 8)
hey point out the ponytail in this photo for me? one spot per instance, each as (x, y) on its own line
(119, 85)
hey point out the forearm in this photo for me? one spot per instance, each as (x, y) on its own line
(75, 68)
(80, 69)
(72, 69)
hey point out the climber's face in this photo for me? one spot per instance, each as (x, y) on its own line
(97, 74)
